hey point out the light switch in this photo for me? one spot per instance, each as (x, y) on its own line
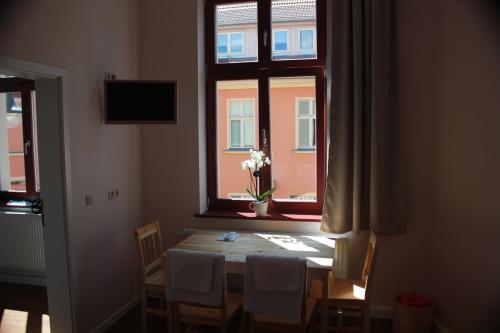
(89, 200)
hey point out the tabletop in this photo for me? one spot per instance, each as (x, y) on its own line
(317, 250)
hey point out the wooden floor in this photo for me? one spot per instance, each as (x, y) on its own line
(23, 309)
(130, 323)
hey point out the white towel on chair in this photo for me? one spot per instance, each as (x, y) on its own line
(277, 275)
(194, 277)
(260, 279)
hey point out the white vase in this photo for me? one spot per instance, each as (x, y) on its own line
(259, 207)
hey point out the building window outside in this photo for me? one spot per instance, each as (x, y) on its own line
(306, 124)
(306, 40)
(280, 41)
(230, 44)
(241, 123)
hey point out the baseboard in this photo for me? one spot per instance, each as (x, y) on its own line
(23, 278)
(386, 312)
(381, 312)
(439, 327)
(108, 322)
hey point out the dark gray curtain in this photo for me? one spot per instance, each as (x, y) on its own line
(364, 184)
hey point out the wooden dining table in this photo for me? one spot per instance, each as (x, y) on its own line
(317, 250)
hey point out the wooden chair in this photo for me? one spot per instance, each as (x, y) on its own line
(195, 314)
(348, 295)
(271, 323)
(151, 253)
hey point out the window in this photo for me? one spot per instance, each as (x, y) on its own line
(236, 31)
(270, 97)
(280, 41)
(241, 124)
(306, 40)
(230, 44)
(18, 145)
(306, 124)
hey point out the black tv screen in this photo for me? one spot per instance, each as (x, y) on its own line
(140, 102)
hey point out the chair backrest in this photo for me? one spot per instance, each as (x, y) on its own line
(196, 278)
(276, 286)
(150, 246)
(369, 262)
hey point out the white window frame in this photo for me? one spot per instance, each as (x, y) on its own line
(314, 39)
(287, 40)
(310, 117)
(239, 196)
(229, 50)
(241, 118)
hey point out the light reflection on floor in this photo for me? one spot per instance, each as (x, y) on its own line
(15, 321)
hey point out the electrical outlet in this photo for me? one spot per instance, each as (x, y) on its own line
(110, 195)
(89, 200)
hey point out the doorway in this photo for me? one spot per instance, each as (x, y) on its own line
(55, 182)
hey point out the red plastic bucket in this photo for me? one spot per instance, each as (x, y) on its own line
(412, 313)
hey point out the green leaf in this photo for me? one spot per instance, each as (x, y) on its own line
(250, 192)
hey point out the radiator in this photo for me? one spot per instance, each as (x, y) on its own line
(21, 244)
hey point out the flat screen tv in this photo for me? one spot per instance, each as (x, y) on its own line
(140, 102)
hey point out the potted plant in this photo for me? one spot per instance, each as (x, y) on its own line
(254, 165)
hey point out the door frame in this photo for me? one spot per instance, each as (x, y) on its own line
(53, 131)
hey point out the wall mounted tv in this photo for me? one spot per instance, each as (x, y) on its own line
(140, 102)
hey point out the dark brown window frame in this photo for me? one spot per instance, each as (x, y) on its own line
(25, 87)
(263, 70)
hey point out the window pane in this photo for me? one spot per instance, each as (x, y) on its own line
(248, 108)
(12, 173)
(236, 134)
(280, 40)
(306, 39)
(222, 43)
(293, 157)
(248, 133)
(303, 133)
(236, 42)
(234, 108)
(298, 17)
(238, 22)
(304, 108)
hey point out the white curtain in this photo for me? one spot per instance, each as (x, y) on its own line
(340, 258)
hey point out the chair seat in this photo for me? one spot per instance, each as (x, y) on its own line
(310, 305)
(156, 280)
(340, 290)
(205, 314)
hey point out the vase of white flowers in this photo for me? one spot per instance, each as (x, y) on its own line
(254, 165)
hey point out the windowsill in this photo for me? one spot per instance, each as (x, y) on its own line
(304, 151)
(271, 216)
(237, 150)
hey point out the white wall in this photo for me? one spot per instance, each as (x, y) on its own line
(465, 265)
(87, 38)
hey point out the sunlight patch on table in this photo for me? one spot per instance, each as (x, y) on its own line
(323, 240)
(325, 262)
(288, 242)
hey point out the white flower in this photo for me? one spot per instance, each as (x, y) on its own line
(267, 161)
(260, 164)
(248, 164)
